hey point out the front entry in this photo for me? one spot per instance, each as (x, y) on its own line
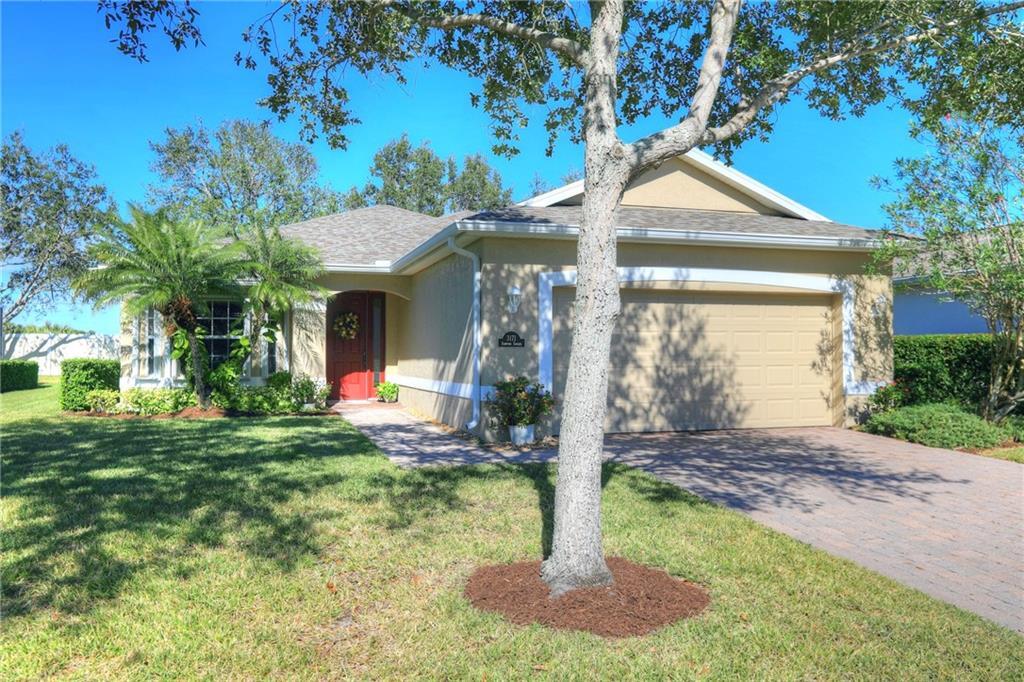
(355, 355)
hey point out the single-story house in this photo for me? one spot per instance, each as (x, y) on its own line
(918, 309)
(740, 307)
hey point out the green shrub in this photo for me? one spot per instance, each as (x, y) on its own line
(280, 381)
(887, 398)
(150, 401)
(306, 390)
(939, 426)
(78, 376)
(17, 375)
(1015, 425)
(262, 400)
(517, 402)
(943, 368)
(387, 392)
(102, 400)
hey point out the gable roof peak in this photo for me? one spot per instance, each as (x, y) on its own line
(707, 163)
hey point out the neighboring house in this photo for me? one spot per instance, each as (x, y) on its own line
(919, 310)
(49, 350)
(740, 307)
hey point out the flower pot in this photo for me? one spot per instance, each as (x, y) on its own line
(521, 434)
(308, 407)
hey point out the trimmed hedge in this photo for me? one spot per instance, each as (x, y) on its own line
(938, 426)
(943, 368)
(17, 375)
(81, 375)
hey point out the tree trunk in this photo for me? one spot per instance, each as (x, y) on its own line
(198, 381)
(577, 557)
(1006, 387)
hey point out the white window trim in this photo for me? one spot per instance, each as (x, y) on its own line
(547, 281)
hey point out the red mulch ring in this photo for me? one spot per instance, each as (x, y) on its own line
(640, 600)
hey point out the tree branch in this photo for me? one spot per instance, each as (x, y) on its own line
(779, 87)
(682, 137)
(564, 46)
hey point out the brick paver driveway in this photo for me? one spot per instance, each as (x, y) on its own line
(947, 523)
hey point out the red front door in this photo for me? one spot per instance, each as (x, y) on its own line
(350, 361)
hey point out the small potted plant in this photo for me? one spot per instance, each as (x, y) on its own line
(519, 405)
(387, 392)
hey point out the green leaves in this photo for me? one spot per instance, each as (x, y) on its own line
(964, 202)
(237, 176)
(52, 207)
(417, 179)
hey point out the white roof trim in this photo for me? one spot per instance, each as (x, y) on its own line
(554, 196)
(357, 267)
(625, 233)
(663, 235)
(730, 176)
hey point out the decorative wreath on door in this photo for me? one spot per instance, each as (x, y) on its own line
(346, 325)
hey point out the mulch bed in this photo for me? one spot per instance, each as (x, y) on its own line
(195, 413)
(640, 599)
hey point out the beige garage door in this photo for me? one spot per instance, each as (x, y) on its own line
(692, 360)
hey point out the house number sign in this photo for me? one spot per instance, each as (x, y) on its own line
(511, 340)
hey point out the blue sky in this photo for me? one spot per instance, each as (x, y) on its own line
(63, 81)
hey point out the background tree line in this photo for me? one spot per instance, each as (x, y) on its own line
(239, 178)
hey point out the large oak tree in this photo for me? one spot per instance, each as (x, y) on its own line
(718, 69)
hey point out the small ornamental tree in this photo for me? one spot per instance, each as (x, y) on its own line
(717, 70)
(964, 200)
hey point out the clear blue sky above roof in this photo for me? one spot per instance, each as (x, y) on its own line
(62, 81)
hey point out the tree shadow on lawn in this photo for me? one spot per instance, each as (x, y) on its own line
(100, 500)
(94, 502)
(415, 495)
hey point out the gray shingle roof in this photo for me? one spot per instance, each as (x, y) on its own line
(683, 219)
(366, 235)
(386, 233)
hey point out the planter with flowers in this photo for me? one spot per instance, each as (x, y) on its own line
(519, 405)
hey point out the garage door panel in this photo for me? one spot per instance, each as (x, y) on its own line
(703, 360)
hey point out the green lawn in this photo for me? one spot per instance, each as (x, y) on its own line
(1015, 454)
(289, 547)
(37, 402)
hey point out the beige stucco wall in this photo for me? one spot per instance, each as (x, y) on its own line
(436, 337)
(428, 333)
(680, 184)
(520, 261)
(307, 329)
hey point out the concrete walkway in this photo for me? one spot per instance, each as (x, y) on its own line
(946, 523)
(411, 442)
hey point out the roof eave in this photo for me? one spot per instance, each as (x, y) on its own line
(668, 236)
(427, 252)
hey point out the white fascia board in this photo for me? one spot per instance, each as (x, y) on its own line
(717, 169)
(644, 234)
(751, 187)
(554, 196)
(438, 240)
(357, 268)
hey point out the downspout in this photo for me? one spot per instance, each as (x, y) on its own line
(475, 398)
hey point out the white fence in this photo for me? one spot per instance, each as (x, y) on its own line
(49, 350)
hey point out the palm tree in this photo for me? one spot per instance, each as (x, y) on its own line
(283, 273)
(169, 265)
